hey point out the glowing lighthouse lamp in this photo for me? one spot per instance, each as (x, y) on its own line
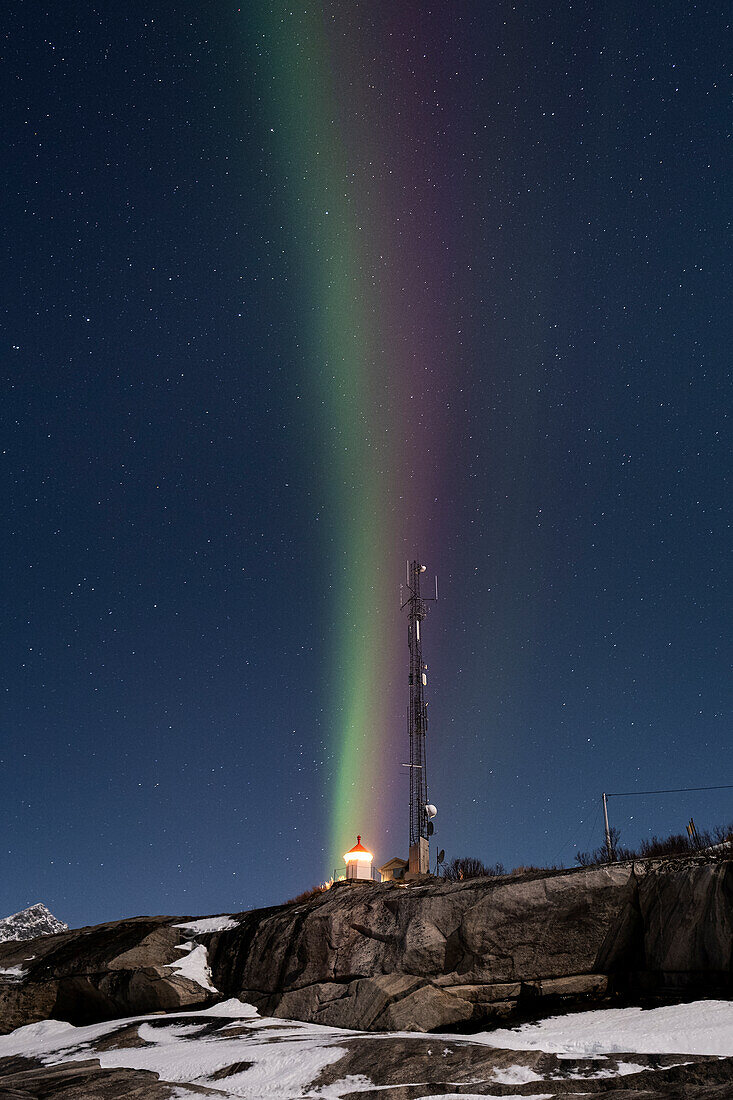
(358, 861)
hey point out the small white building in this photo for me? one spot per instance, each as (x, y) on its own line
(358, 861)
(394, 870)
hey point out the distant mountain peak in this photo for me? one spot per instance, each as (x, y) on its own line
(34, 921)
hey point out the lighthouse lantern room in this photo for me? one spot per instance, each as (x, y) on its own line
(358, 861)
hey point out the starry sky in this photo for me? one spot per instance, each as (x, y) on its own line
(291, 293)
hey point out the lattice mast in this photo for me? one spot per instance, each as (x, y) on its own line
(417, 715)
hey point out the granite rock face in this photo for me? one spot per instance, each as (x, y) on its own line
(388, 957)
(687, 923)
(441, 955)
(98, 973)
(430, 956)
(23, 1079)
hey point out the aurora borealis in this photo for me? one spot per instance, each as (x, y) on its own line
(341, 387)
(294, 292)
(371, 344)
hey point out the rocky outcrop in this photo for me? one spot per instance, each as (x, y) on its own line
(98, 973)
(23, 1079)
(390, 957)
(432, 956)
(686, 922)
(439, 955)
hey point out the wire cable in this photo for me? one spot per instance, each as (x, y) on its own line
(590, 836)
(672, 790)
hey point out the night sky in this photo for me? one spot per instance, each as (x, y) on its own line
(291, 293)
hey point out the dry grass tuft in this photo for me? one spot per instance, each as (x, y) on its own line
(308, 894)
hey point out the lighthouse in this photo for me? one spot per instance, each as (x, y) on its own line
(358, 861)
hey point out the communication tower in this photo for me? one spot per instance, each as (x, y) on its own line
(421, 812)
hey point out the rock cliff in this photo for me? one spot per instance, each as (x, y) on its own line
(388, 957)
(440, 955)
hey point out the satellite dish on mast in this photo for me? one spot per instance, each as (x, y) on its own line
(430, 811)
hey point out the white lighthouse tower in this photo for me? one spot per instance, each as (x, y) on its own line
(358, 861)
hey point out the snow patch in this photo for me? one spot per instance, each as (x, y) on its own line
(487, 1096)
(279, 1070)
(52, 1037)
(515, 1075)
(150, 1034)
(209, 924)
(239, 1010)
(195, 967)
(703, 1027)
(49, 1038)
(14, 973)
(353, 1082)
(622, 1069)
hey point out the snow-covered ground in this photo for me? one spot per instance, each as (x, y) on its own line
(704, 1027)
(277, 1070)
(231, 1049)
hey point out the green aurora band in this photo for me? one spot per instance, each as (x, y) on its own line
(326, 227)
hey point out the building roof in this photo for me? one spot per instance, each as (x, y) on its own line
(357, 851)
(394, 862)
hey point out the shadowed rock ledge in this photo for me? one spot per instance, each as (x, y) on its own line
(417, 958)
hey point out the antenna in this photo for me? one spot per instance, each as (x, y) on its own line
(421, 827)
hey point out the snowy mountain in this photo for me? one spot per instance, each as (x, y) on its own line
(34, 921)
